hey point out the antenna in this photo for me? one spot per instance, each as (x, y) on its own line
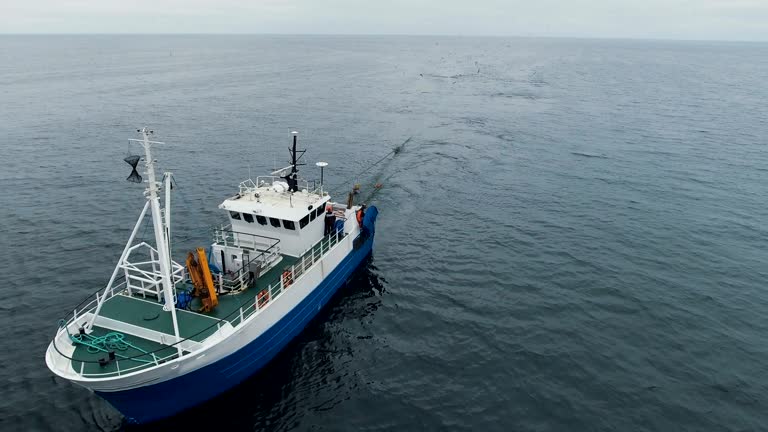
(322, 165)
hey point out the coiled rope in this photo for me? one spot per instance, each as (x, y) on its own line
(110, 342)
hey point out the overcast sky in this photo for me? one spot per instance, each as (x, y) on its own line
(669, 19)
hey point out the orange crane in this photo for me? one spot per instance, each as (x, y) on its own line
(201, 277)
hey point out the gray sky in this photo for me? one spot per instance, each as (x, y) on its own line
(671, 19)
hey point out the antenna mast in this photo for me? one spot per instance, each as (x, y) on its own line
(322, 166)
(292, 178)
(162, 230)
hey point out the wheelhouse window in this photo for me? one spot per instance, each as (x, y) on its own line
(234, 215)
(304, 222)
(248, 217)
(261, 220)
(274, 222)
(312, 215)
(319, 211)
(291, 225)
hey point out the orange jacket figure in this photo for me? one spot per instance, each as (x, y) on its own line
(360, 214)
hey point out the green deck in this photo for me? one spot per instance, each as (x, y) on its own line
(149, 314)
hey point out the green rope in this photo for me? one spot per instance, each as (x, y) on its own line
(112, 341)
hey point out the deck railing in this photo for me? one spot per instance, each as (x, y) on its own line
(265, 248)
(261, 181)
(224, 235)
(290, 275)
(144, 276)
(262, 299)
(155, 361)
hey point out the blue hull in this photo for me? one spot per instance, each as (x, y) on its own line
(155, 402)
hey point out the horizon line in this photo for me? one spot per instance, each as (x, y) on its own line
(624, 38)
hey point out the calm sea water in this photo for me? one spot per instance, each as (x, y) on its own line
(574, 239)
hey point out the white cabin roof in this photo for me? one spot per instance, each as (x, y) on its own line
(274, 200)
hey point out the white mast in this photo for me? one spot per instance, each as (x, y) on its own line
(161, 233)
(167, 219)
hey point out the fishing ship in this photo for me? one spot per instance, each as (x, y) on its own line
(162, 336)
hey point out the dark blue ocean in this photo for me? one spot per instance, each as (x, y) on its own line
(574, 239)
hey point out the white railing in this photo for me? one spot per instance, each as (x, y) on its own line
(266, 250)
(224, 235)
(235, 282)
(289, 277)
(155, 362)
(144, 277)
(261, 245)
(249, 186)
